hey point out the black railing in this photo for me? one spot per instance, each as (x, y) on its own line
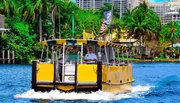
(34, 80)
(99, 75)
(75, 78)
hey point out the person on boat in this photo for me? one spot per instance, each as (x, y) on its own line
(73, 54)
(112, 62)
(90, 57)
(60, 61)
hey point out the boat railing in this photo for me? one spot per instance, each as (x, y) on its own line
(78, 57)
(56, 57)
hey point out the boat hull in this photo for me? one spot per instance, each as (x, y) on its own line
(84, 77)
(113, 88)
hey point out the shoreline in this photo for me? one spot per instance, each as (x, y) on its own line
(134, 61)
(149, 60)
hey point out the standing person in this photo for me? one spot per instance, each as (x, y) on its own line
(73, 55)
(60, 61)
(90, 57)
(60, 58)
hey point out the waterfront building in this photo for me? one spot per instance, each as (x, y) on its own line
(120, 5)
(167, 10)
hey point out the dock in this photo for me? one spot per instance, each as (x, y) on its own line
(7, 57)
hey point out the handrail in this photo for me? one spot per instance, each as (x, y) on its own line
(107, 60)
(55, 53)
(76, 78)
(127, 55)
(42, 53)
(78, 57)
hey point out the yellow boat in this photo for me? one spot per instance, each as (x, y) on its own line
(79, 75)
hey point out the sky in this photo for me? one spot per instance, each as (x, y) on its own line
(73, 0)
(158, 0)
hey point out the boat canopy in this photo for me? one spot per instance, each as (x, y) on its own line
(54, 42)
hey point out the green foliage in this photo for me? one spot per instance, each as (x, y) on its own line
(23, 18)
(20, 40)
(171, 31)
(89, 21)
(160, 58)
(48, 25)
(142, 22)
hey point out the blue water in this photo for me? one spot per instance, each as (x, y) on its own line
(154, 83)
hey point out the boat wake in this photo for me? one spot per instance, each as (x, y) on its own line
(136, 92)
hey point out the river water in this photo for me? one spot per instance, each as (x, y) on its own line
(154, 83)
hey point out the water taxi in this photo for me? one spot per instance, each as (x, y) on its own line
(105, 73)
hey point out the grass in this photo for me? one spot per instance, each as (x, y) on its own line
(161, 58)
(126, 59)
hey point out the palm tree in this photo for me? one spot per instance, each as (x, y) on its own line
(171, 31)
(8, 7)
(67, 9)
(42, 9)
(142, 23)
(26, 10)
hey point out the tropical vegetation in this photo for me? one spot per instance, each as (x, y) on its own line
(31, 21)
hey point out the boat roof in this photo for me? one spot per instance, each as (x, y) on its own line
(54, 42)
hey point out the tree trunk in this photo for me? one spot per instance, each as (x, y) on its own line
(151, 48)
(53, 21)
(40, 28)
(172, 48)
(59, 27)
(141, 47)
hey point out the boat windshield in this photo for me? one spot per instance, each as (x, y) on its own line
(83, 53)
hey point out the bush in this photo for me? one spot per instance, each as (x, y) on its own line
(19, 40)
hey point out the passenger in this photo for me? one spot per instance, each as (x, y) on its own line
(112, 62)
(122, 63)
(60, 57)
(60, 61)
(90, 57)
(73, 55)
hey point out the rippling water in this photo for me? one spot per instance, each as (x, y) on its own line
(154, 83)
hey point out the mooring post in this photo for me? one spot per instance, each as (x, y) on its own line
(54, 82)
(75, 79)
(99, 75)
(34, 80)
(8, 57)
(3, 57)
(13, 57)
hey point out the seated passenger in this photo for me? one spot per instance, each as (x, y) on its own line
(122, 63)
(90, 57)
(112, 62)
(73, 55)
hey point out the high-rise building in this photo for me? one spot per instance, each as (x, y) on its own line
(166, 9)
(120, 5)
